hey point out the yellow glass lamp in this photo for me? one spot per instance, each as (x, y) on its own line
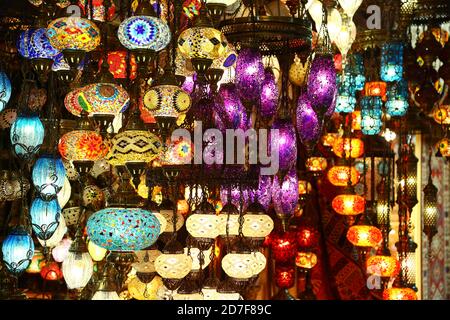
(37, 262)
(202, 40)
(316, 165)
(97, 253)
(298, 71)
(134, 146)
(73, 36)
(144, 291)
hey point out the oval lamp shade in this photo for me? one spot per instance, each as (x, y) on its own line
(18, 250)
(123, 229)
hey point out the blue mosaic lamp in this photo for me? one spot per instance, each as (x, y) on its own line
(45, 216)
(34, 44)
(371, 115)
(27, 135)
(355, 67)
(144, 32)
(391, 62)
(17, 249)
(123, 229)
(48, 176)
(346, 99)
(397, 99)
(5, 90)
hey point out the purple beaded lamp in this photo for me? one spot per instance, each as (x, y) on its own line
(247, 194)
(308, 124)
(229, 108)
(285, 193)
(322, 82)
(332, 107)
(269, 94)
(264, 192)
(286, 141)
(249, 74)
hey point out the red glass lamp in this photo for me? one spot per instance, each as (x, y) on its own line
(51, 272)
(284, 276)
(284, 246)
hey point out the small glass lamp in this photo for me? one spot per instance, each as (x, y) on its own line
(391, 61)
(340, 175)
(73, 36)
(371, 115)
(5, 90)
(17, 250)
(123, 229)
(202, 43)
(77, 267)
(48, 176)
(27, 135)
(399, 294)
(397, 99)
(45, 216)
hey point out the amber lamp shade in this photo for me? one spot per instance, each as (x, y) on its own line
(384, 266)
(364, 236)
(306, 260)
(284, 246)
(339, 176)
(375, 89)
(349, 204)
(316, 164)
(399, 294)
(348, 147)
(284, 276)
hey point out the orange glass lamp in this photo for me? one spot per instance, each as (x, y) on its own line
(443, 147)
(364, 237)
(316, 165)
(329, 138)
(386, 267)
(441, 114)
(349, 204)
(375, 89)
(399, 294)
(306, 260)
(356, 120)
(348, 147)
(183, 207)
(304, 188)
(341, 175)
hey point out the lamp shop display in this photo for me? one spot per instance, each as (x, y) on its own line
(206, 150)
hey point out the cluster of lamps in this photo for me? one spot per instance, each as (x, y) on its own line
(125, 115)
